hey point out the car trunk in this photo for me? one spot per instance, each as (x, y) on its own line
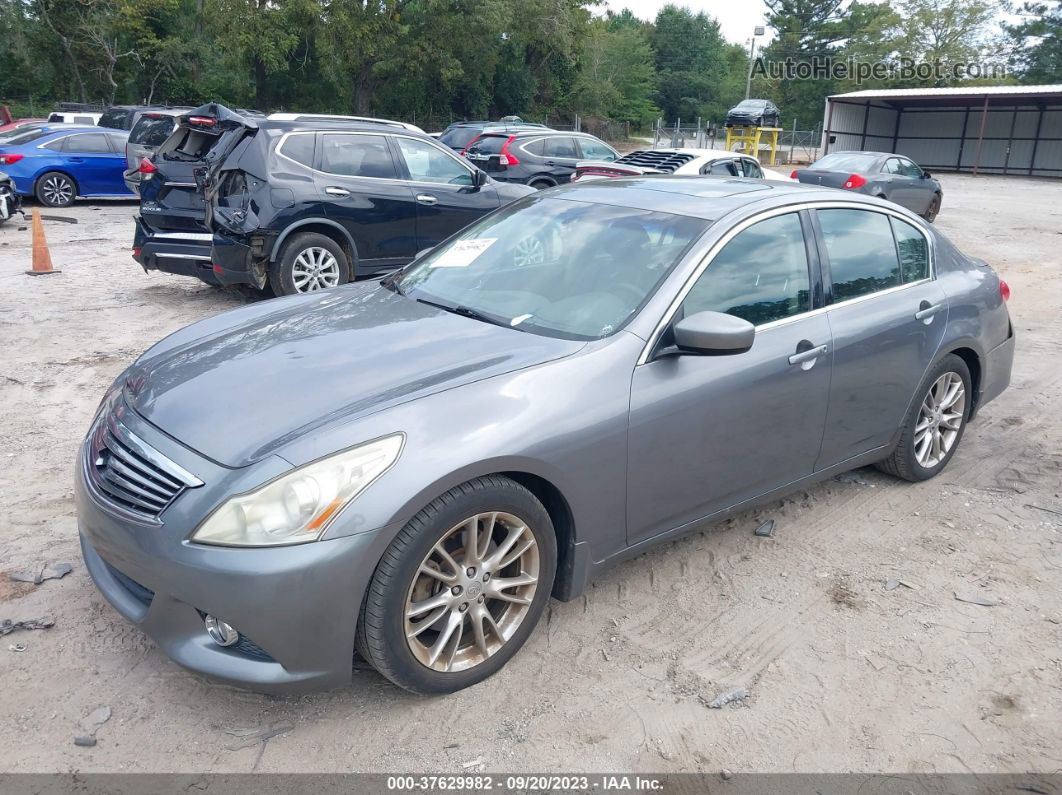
(602, 168)
(486, 152)
(172, 199)
(824, 177)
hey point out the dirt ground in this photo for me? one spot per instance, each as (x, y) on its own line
(845, 670)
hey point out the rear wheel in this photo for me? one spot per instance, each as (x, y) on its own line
(56, 189)
(460, 589)
(542, 184)
(934, 208)
(935, 423)
(309, 262)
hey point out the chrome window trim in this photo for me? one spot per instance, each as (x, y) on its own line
(765, 215)
(444, 149)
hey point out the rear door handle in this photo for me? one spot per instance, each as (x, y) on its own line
(426, 198)
(550, 163)
(926, 311)
(332, 190)
(809, 355)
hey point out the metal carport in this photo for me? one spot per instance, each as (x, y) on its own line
(989, 129)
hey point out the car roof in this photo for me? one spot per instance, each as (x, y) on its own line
(516, 130)
(709, 198)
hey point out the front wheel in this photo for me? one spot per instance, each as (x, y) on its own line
(309, 262)
(934, 425)
(460, 589)
(56, 189)
(934, 208)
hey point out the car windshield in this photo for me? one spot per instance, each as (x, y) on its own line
(151, 129)
(459, 137)
(751, 104)
(846, 161)
(554, 266)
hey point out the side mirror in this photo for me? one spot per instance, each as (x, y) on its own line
(479, 178)
(926, 175)
(713, 334)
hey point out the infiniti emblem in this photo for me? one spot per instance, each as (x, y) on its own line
(473, 589)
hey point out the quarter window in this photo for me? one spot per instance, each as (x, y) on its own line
(427, 163)
(761, 275)
(357, 156)
(913, 249)
(861, 250)
(299, 148)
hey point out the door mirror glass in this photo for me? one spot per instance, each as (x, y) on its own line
(713, 334)
(926, 175)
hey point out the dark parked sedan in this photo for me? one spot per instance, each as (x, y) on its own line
(753, 113)
(413, 467)
(887, 176)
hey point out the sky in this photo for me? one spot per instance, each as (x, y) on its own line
(736, 18)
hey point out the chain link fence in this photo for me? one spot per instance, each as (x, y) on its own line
(794, 145)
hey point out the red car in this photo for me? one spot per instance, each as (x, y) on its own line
(8, 123)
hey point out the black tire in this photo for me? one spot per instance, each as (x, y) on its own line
(381, 638)
(282, 273)
(903, 462)
(934, 209)
(542, 184)
(55, 189)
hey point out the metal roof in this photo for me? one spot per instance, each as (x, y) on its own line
(961, 91)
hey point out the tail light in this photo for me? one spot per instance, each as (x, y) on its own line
(794, 174)
(202, 121)
(855, 181)
(1004, 290)
(8, 160)
(147, 169)
(136, 252)
(507, 158)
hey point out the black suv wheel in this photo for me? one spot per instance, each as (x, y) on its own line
(309, 262)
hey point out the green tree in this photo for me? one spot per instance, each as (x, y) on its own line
(1039, 42)
(946, 32)
(616, 76)
(691, 59)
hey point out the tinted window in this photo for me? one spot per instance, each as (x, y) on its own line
(561, 146)
(19, 136)
(87, 120)
(116, 119)
(914, 251)
(357, 156)
(555, 267)
(595, 150)
(846, 161)
(862, 252)
(536, 147)
(151, 130)
(118, 141)
(722, 168)
(56, 145)
(761, 275)
(751, 169)
(56, 117)
(909, 169)
(489, 144)
(299, 148)
(89, 143)
(459, 137)
(427, 163)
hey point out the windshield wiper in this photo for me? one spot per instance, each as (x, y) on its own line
(467, 311)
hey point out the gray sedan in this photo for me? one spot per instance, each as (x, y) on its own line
(887, 176)
(412, 467)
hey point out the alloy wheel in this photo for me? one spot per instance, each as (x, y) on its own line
(940, 420)
(472, 592)
(57, 190)
(314, 268)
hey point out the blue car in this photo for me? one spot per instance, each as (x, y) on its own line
(59, 162)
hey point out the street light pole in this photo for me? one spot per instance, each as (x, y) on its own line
(757, 31)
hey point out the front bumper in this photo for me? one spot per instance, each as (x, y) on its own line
(295, 607)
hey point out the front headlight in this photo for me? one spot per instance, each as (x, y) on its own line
(297, 507)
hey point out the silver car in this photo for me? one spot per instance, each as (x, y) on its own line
(888, 176)
(412, 467)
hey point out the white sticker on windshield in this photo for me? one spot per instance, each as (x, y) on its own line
(463, 253)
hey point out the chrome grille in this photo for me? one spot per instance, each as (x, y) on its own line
(130, 473)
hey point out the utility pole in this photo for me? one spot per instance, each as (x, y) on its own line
(757, 31)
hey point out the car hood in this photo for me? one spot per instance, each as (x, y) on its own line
(239, 391)
(511, 191)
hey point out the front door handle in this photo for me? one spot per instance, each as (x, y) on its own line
(926, 311)
(550, 163)
(332, 190)
(808, 355)
(426, 198)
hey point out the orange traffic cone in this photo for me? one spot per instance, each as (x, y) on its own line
(42, 260)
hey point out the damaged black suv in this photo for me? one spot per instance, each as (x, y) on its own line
(297, 203)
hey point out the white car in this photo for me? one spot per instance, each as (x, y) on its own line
(716, 162)
(75, 117)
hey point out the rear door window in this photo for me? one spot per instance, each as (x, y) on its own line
(721, 168)
(913, 249)
(751, 168)
(861, 251)
(357, 156)
(88, 143)
(561, 146)
(151, 129)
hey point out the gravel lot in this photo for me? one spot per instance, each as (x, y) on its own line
(843, 673)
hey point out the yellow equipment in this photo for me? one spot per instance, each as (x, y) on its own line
(750, 137)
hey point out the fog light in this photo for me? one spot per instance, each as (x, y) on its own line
(220, 632)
